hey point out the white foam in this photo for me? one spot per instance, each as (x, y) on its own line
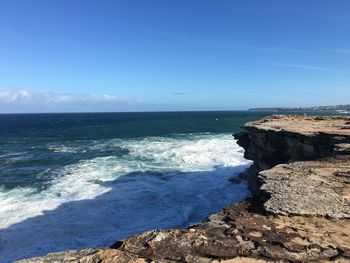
(63, 149)
(93, 202)
(343, 111)
(201, 152)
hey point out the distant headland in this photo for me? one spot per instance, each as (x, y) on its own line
(340, 108)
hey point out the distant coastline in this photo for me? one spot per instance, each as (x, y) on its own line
(339, 108)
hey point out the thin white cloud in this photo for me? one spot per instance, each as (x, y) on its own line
(230, 45)
(313, 90)
(283, 50)
(298, 66)
(17, 101)
(32, 97)
(179, 93)
(342, 71)
(342, 51)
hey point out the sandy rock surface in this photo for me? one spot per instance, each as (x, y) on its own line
(309, 188)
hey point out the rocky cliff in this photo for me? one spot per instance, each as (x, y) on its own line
(281, 139)
(285, 138)
(300, 211)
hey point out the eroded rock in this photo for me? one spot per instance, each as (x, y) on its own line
(241, 230)
(281, 139)
(309, 188)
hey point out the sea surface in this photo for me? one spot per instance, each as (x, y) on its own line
(70, 181)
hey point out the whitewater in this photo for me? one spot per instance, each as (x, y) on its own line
(153, 182)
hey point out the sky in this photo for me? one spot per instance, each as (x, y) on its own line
(163, 55)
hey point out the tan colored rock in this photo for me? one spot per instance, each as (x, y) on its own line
(309, 188)
(106, 255)
(281, 139)
(243, 260)
(240, 232)
(304, 125)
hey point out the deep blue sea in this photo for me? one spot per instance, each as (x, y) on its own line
(71, 181)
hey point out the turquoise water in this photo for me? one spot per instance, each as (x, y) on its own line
(70, 181)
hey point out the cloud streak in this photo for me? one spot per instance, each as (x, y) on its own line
(180, 93)
(12, 101)
(33, 97)
(298, 66)
(341, 51)
(229, 45)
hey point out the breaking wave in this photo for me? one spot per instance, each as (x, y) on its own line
(130, 186)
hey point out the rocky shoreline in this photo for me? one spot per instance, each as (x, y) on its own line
(300, 210)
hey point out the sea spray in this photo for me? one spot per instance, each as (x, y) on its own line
(158, 182)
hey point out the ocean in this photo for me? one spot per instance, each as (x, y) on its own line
(70, 181)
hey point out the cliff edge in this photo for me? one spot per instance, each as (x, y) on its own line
(300, 210)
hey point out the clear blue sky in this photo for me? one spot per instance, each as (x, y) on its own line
(72, 55)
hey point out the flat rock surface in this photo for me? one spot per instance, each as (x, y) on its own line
(309, 188)
(279, 139)
(106, 255)
(305, 125)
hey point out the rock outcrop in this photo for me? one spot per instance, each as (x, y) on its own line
(235, 232)
(300, 211)
(308, 188)
(281, 139)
